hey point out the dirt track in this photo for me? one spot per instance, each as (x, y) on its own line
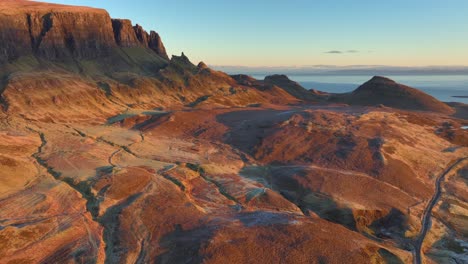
(426, 218)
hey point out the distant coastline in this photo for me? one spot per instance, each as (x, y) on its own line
(446, 88)
(354, 70)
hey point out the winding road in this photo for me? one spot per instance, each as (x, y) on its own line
(426, 222)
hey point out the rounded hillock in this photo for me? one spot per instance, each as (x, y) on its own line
(384, 91)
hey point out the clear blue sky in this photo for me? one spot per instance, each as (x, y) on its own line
(301, 32)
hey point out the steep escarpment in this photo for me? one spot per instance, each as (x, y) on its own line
(109, 62)
(53, 31)
(63, 33)
(127, 35)
(124, 34)
(381, 90)
(155, 43)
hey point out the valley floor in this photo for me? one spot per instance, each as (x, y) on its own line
(254, 185)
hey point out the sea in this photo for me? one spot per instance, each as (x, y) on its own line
(446, 88)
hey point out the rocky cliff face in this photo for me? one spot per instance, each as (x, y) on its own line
(14, 38)
(124, 33)
(155, 43)
(127, 35)
(84, 35)
(141, 34)
(57, 32)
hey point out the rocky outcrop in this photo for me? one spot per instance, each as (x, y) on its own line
(155, 43)
(124, 33)
(201, 65)
(151, 40)
(182, 63)
(57, 32)
(141, 34)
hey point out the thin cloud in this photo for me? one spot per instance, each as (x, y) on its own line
(341, 51)
(334, 52)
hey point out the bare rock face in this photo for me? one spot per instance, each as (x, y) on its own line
(57, 32)
(152, 41)
(124, 34)
(14, 38)
(141, 34)
(53, 31)
(85, 35)
(155, 43)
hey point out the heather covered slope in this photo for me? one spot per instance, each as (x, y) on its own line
(381, 90)
(152, 183)
(291, 87)
(55, 94)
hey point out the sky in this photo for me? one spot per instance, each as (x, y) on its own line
(303, 32)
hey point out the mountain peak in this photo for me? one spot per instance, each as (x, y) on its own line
(381, 79)
(278, 77)
(382, 90)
